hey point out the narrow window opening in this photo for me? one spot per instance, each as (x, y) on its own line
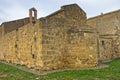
(33, 56)
(103, 43)
(15, 45)
(34, 39)
(16, 29)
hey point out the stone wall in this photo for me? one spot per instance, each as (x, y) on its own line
(1, 41)
(23, 46)
(108, 29)
(53, 35)
(106, 23)
(109, 47)
(81, 48)
(117, 47)
(106, 49)
(12, 25)
(8, 36)
(59, 40)
(66, 42)
(0, 32)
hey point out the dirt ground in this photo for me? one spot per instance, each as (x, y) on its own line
(3, 74)
(39, 72)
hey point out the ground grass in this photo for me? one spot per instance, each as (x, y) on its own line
(110, 73)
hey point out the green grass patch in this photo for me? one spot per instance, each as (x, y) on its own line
(11, 73)
(111, 73)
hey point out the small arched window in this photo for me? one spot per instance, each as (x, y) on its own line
(32, 15)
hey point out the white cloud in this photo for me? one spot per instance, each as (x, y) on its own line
(95, 7)
(16, 9)
(12, 11)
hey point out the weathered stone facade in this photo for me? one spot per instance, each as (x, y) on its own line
(60, 40)
(67, 40)
(108, 29)
(107, 23)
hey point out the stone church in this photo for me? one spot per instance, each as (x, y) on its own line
(63, 39)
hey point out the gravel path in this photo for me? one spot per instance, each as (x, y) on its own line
(39, 72)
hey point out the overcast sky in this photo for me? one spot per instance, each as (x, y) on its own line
(16, 9)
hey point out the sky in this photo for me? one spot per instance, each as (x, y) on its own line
(17, 9)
